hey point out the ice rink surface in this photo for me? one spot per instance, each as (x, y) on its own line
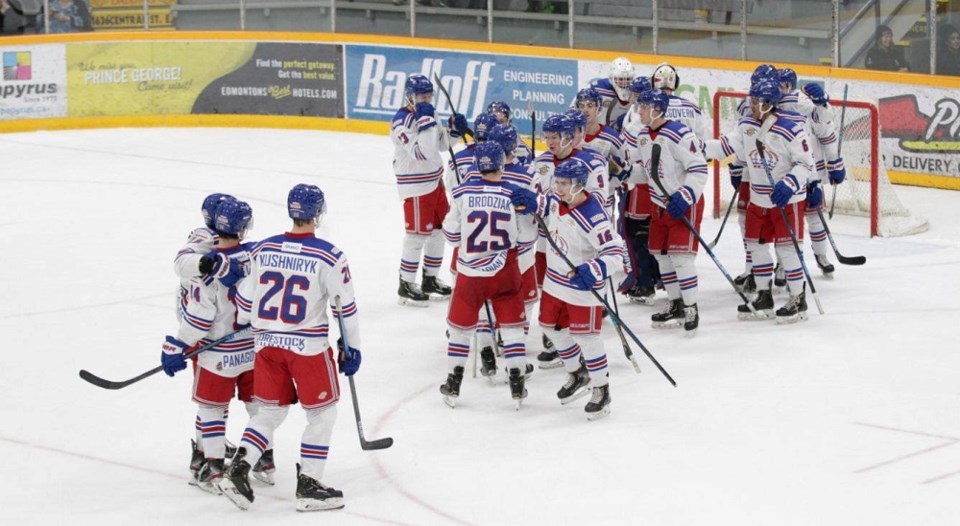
(849, 418)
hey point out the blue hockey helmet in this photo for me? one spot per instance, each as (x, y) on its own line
(306, 202)
(233, 217)
(572, 169)
(789, 77)
(506, 136)
(640, 84)
(589, 95)
(656, 99)
(560, 123)
(764, 72)
(209, 208)
(767, 91)
(483, 124)
(489, 157)
(578, 118)
(416, 85)
(501, 110)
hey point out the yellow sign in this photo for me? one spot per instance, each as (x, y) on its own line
(146, 78)
(97, 4)
(126, 18)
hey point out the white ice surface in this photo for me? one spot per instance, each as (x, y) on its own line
(850, 418)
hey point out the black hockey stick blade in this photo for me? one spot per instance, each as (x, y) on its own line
(848, 260)
(107, 384)
(380, 443)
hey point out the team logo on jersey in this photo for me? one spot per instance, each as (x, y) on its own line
(751, 132)
(643, 142)
(771, 156)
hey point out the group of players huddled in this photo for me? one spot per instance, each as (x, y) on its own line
(615, 199)
(550, 227)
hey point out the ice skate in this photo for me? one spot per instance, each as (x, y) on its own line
(263, 471)
(210, 476)
(746, 283)
(794, 310)
(599, 404)
(196, 462)
(642, 295)
(691, 319)
(435, 289)
(762, 306)
(548, 359)
(314, 496)
(451, 388)
(575, 386)
(672, 316)
(826, 268)
(779, 276)
(411, 295)
(517, 389)
(235, 483)
(229, 451)
(488, 363)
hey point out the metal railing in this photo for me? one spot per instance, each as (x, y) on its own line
(751, 29)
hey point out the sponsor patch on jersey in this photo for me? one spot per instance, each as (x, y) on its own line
(643, 142)
(751, 132)
(292, 247)
(597, 218)
(543, 169)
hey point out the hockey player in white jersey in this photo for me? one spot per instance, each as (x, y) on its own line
(293, 277)
(615, 91)
(208, 312)
(418, 167)
(192, 259)
(518, 174)
(788, 157)
(482, 224)
(814, 104)
(598, 136)
(666, 79)
(560, 133)
(501, 110)
(682, 171)
(457, 168)
(570, 314)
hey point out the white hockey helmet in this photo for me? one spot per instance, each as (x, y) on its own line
(665, 76)
(621, 73)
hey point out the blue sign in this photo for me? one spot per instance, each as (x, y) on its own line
(375, 76)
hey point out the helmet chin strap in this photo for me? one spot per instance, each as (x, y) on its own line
(763, 113)
(564, 143)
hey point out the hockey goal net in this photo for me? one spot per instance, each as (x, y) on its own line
(866, 191)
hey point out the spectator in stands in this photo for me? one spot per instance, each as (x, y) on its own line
(885, 56)
(67, 16)
(948, 60)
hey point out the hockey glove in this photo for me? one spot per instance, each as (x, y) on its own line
(680, 201)
(171, 356)
(736, 174)
(524, 200)
(816, 94)
(458, 125)
(223, 267)
(784, 190)
(348, 366)
(814, 195)
(425, 116)
(836, 171)
(588, 274)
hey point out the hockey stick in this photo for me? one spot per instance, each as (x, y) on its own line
(843, 115)
(786, 222)
(380, 443)
(655, 175)
(613, 315)
(723, 223)
(443, 89)
(107, 384)
(533, 129)
(494, 332)
(846, 260)
(627, 351)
